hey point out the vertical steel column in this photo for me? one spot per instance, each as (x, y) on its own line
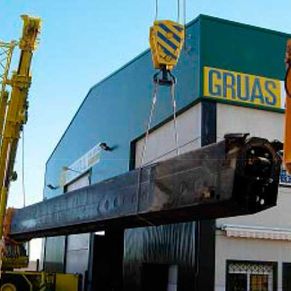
(205, 229)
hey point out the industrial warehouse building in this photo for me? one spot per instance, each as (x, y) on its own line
(229, 80)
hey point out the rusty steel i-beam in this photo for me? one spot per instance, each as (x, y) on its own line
(236, 176)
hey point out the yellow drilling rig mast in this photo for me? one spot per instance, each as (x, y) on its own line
(13, 115)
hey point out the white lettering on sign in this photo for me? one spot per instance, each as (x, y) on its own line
(84, 163)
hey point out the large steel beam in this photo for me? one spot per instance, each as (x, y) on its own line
(233, 177)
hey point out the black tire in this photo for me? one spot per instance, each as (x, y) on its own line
(16, 280)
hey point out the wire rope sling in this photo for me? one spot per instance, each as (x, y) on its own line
(166, 42)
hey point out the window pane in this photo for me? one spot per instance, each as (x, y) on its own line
(286, 276)
(259, 283)
(237, 282)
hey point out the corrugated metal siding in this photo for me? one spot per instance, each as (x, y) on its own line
(54, 254)
(170, 245)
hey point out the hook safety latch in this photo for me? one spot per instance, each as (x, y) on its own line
(164, 77)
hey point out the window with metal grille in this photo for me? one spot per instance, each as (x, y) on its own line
(251, 276)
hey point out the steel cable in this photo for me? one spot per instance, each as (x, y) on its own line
(178, 10)
(23, 170)
(157, 10)
(153, 106)
(176, 135)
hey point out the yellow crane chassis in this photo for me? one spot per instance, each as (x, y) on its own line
(40, 281)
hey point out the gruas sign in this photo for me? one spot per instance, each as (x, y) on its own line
(244, 89)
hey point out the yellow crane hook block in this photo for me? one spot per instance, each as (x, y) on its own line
(166, 42)
(287, 135)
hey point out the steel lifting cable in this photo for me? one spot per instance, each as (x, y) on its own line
(178, 11)
(184, 12)
(184, 22)
(150, 119)
(157, 10)
(153, 106)
(148, 127)
(183, 18)
(23, 169)
(174, 104)
(165, 67)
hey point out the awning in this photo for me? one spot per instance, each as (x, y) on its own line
(256, 232)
